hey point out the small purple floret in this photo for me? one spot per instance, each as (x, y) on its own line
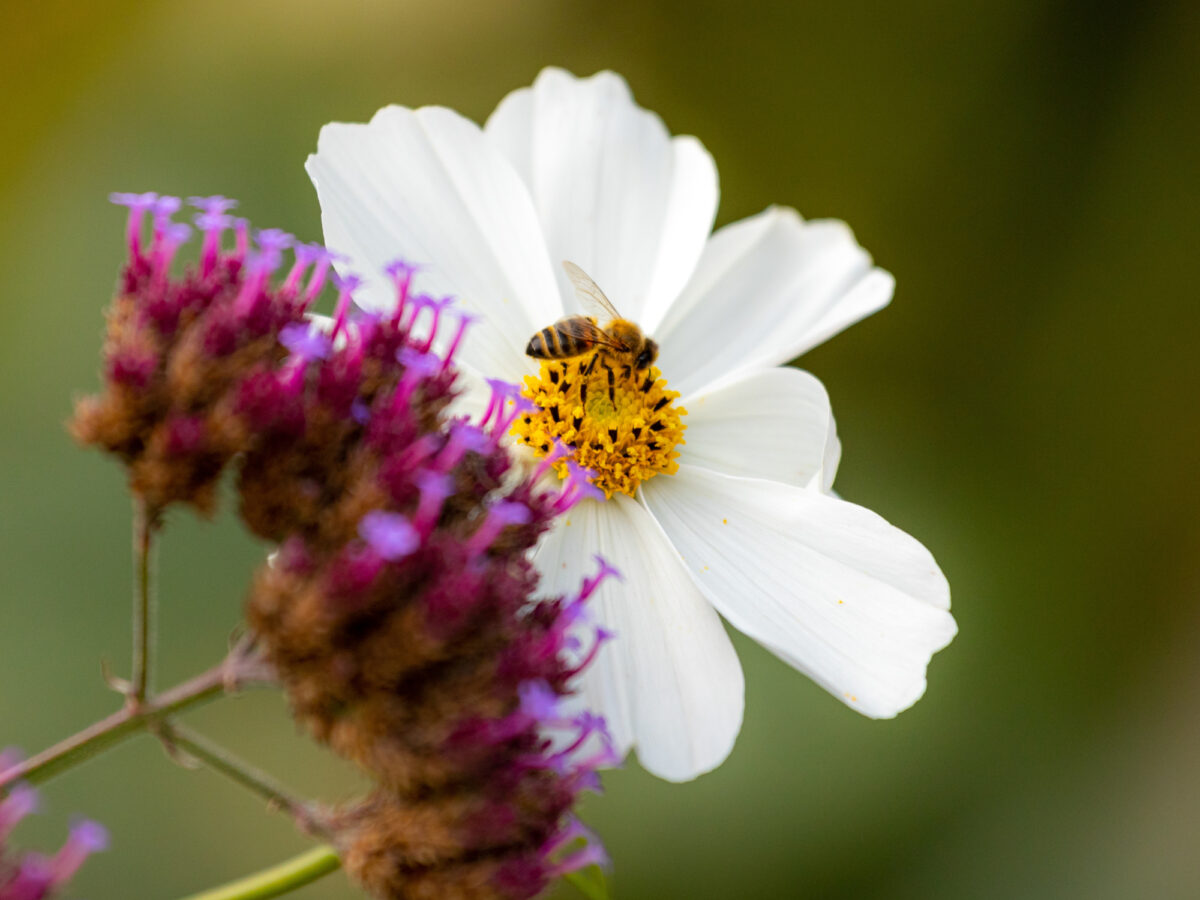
(498, 413)
(464, 438)
(360, 412)
(589, 723)
(500, 515)
(390, 535)
(606, 571)
(322, 260)
(86, 837)
(21, 801)
(399, 269)
(402, 274)
(33, 880)
(510, 513)
(558, 450)
(305, 254)
(436, 306)
(305, 340)
(165, 207)
(539, 701)
(464, 321)
(502, 389)
(271, 244)
(435, 487)
(435, 484)
(241, 228)
(214, 205)
(588, 491)
(578, 487)
(90, 836)
(171, 237)
(575, 831)
(591, 855)
(347, 284)
(213, 221)
(273, 239)
(521, 406)
(308, 253)
(134, 201)
(471, 437)
(418, 363)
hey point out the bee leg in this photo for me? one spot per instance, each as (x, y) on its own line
(591, 364)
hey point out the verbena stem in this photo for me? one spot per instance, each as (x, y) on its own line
(592, 889)
(143, 625)
(318, 862)
(225, 763)
(278, 880)
(133, 718)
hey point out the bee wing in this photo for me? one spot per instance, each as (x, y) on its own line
(587, 331)
(589, 292)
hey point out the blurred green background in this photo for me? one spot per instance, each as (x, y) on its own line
(1027, 407)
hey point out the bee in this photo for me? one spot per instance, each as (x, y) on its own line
(620, 340)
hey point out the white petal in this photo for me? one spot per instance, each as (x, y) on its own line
(616, 194)
(425, 185)
(510, 130)
(828, 586)
(767, 289)
(830, 459)
(670, 681)
(774, 424)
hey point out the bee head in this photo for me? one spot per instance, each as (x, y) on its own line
(648, 355)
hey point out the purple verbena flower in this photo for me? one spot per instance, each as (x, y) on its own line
(402, 614)
(32, 876)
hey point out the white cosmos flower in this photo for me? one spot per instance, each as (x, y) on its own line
(572, 169)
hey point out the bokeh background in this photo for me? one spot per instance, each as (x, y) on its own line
(1027, 407)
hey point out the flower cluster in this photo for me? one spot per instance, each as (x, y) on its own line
(31, 876)
(474, 798)
(399, 611)
(183, 356)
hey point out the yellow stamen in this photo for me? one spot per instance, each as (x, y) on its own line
(622, 423)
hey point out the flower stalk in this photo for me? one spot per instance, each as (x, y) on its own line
(278, 880)
(235, 672)
(592, 888)
(312, 865)
(143, 601)
(221, 761)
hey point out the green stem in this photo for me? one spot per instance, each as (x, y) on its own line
(278, 880)
(143, 625)
(593, 890)
(255, 780)
(129, 721)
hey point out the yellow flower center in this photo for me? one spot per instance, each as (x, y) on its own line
(621, 422)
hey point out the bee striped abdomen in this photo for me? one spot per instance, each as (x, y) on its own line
(545, 345)
(561, 340)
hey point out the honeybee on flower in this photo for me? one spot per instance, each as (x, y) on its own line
(715, 461)
(576, 335)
